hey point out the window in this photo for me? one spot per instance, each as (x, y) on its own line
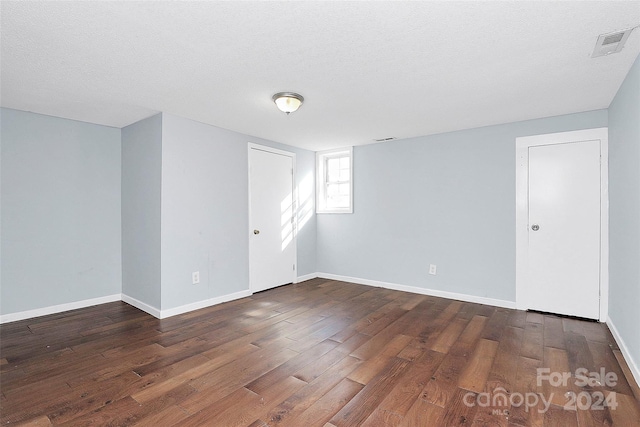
(334, 179)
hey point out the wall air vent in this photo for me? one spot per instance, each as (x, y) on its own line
(390, 138)
(611, 43)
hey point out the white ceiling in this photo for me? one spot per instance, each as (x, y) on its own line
(367, 70)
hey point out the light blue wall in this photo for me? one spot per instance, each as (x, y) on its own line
(141, 182)
(102, 211)
(60, 211)
(445, 199)
(624, 211)
(205, 211)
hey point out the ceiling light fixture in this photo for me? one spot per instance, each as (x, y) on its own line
(288, 102)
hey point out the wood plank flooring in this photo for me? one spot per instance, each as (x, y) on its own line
(318, 353)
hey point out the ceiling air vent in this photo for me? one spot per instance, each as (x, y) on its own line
(390, 138)
(611, 43)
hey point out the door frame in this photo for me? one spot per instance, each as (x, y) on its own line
(522, 207)
(294, 192)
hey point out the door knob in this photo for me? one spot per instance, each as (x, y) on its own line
(256, 231)
(535, 227)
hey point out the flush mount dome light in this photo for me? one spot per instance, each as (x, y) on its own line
(288, 102)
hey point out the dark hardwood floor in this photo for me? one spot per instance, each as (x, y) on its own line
(319, 353)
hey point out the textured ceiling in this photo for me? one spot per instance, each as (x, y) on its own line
(367, 70)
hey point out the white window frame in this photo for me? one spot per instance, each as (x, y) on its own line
(321, 179)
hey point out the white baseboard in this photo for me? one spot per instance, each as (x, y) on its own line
(162, 314)
(202, 304)
(421, 291)
(28, 314)
(306, 277)
(155, 312)
(633, 366)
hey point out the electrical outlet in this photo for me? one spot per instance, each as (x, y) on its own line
(195, 277)
(432, 269)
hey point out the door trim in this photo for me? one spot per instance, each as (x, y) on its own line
(294, 190)
(522, 226)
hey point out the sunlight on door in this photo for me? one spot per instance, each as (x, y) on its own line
(301, 215)
(286, 220)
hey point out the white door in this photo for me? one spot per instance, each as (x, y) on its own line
(271, 235)
(563, 262)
